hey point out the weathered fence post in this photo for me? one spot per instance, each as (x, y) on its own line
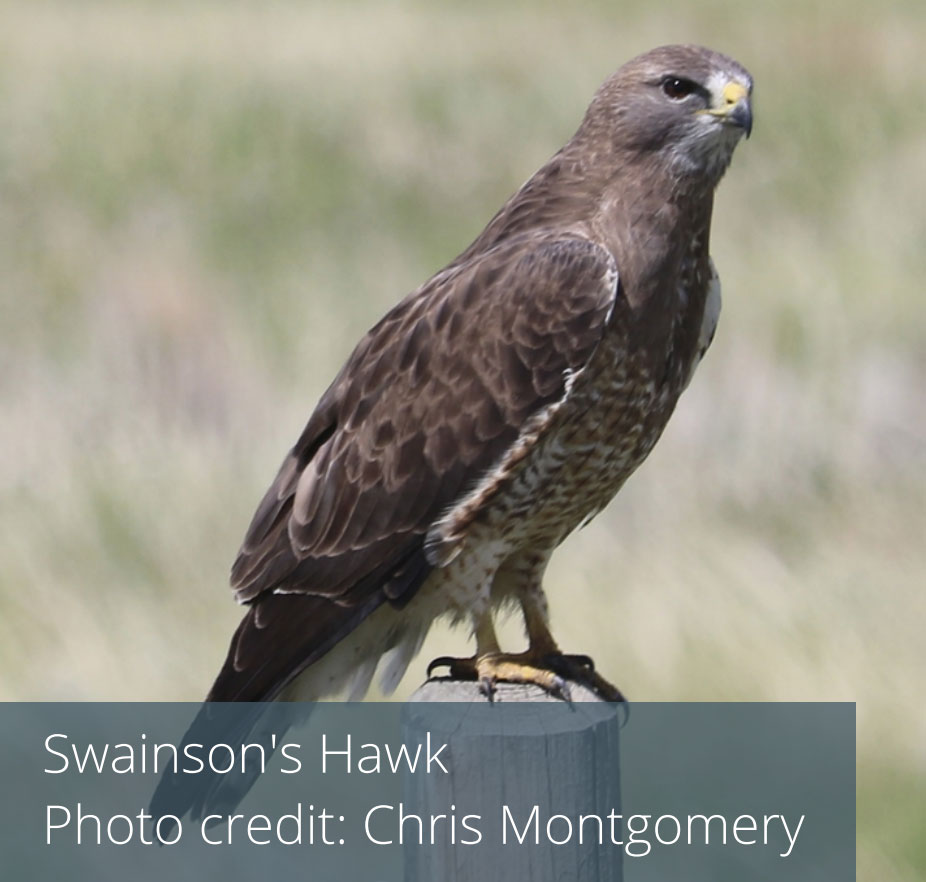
(503, 757)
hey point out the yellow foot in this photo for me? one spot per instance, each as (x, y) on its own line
(550, 671)
(493, 667)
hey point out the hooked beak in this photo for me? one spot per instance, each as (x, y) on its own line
(734, 107)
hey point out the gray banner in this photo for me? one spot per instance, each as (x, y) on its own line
(390, 792)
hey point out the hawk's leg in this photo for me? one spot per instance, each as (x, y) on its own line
(542, 664)
(544, 651)
(490, 665)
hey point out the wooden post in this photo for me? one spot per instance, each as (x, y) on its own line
(563, 759)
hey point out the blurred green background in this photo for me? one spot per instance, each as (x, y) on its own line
(203, 206)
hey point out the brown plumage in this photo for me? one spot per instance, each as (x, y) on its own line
(499, 405)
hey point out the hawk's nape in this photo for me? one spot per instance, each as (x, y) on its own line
(497, 407)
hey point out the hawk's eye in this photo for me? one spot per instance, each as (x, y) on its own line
(677, 88)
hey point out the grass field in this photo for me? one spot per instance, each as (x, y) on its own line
(203, 205)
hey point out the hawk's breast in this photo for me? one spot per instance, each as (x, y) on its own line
(613, 413)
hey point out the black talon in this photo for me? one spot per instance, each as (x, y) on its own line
(459, 668)
(487, 688)
(625, 711)
(439, 662)
(561, 689)
(608, 692)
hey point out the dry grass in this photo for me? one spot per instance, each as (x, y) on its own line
(204, 205)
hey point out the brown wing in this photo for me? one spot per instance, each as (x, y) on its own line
(432, 396)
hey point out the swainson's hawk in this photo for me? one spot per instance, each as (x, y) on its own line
(499, 406)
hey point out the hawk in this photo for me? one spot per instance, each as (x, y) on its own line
(497, 407)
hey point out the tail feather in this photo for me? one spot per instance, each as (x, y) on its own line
(283, 650)
(278, 639)
(209, 792)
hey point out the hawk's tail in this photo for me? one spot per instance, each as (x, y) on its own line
(277, 640)
(288, 647)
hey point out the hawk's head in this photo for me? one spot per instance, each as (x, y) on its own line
(684, 106)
